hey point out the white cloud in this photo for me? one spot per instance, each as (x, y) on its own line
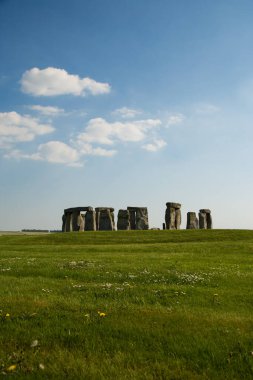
(100, 131)
(47, 110)
(126, 113)
(52, 81)
(155, 145)
(53, 152)
(17, 128)
(175, 119)
(58, 152)
(88, 149)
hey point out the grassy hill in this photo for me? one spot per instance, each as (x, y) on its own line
(127, 305)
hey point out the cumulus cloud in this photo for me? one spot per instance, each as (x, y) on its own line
(47, 110)
(88, 149)
(18, 128)
(155, 145)
(175, 119)
(126, 113)
(58, 152)
(52, 81)
(100, 131)
(53, 152)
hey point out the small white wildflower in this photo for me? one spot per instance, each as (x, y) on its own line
(34, 343)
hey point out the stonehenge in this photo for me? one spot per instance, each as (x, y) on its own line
(138, 218)
(123, 220)
(205, 219)
(173, 216)
(105, 219)
(73, 218)
(102, 219)
(192, 221)
(132, 218)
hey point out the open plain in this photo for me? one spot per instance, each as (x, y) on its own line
(127, 305)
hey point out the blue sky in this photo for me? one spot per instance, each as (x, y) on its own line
(125, 103)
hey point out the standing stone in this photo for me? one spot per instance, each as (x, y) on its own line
(132, 211)
(138, 218)
(192, 221)
(113, 220)
(68, 227)
(73, 220)
(209, 221)
(97, 219)
(173, 216)
(123, 220)
(142, 218)
(77, 221)
(206, 219)
(178, 219)
(170, 218)
(63, 223)
(202, 221)
(105, 220)
(90, 221)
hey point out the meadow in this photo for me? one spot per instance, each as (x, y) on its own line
(127, 305)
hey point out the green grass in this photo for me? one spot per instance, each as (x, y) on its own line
(178, 305)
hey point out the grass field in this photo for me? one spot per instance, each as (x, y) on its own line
(127, 305)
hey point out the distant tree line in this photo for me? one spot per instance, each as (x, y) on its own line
(36, 230)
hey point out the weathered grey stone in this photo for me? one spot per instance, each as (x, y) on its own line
(173, 216)
(192, 221)
(138, 218)
(205, 219)
(209, 221)
(173, 205)
(132, 211)
(75, 220)
(90, 221)
(111, 209)
(178, 219)
(68, 225)
(170, 218)
(78, 209)
(105, 220)
(113, 220)
(202, 220)
(142, 218)
(63, 223)
(123, 220)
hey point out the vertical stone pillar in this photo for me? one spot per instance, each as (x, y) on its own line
(90, 221)
(97, 219)
(76, 221)
(105, 218)
(132, 211)
(178, 219)
(64, 223)
(142, 218)
(173, 216)
(209, 221)
(205, 219)
(68, 222)
(123, 220)
(192, 221)
(113, 220)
